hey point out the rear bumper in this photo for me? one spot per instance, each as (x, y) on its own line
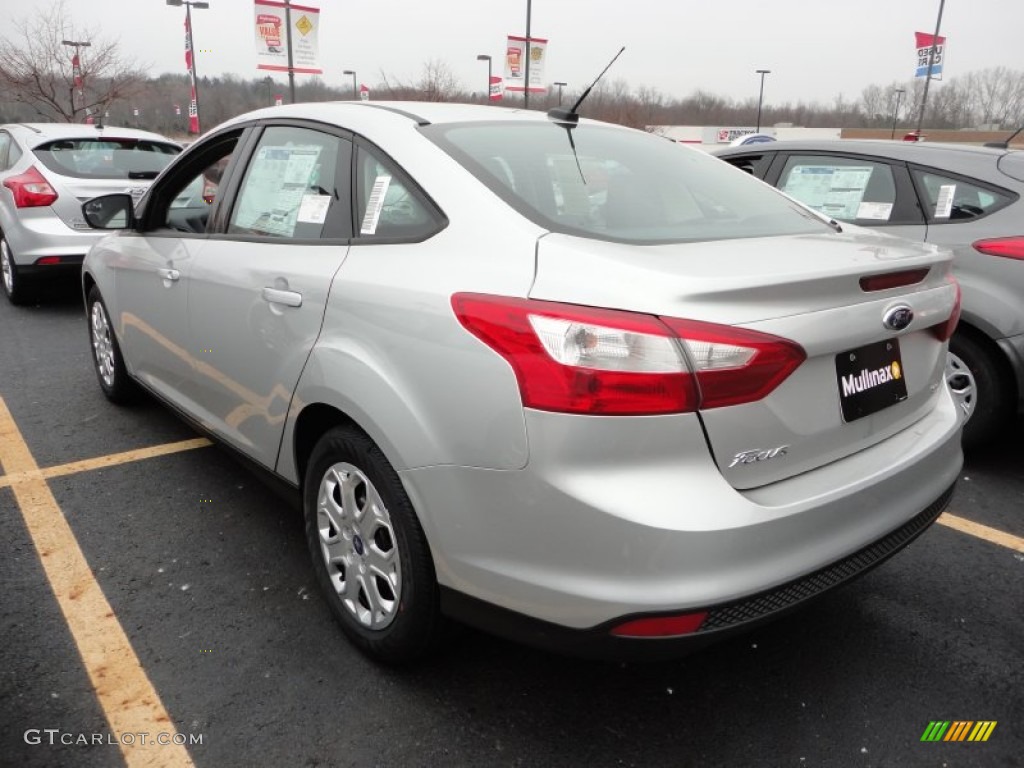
(69, 267)
(721, 621)
(42, 233)
(613, 519)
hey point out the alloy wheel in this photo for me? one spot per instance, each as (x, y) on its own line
(6, 266)
(102, 343)
(962, 384)
(359, 546)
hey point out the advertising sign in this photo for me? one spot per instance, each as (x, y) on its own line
(515, 64)
(273, 35)
(924, 47)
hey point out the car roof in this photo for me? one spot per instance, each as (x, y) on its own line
(967, 159)
(392, 112)
(34, 134)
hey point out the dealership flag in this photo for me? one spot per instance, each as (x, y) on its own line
(924, 47)
(497, 89)
(515, 64)
(272, 36)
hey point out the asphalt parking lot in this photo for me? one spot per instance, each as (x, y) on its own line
(154, 589)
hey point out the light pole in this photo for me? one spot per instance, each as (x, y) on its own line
(896, 112)
(560, 86)
(189, 5)
(526, 84)
(355, 96)
(931, 64)
(76, 73)
(760, 98)
(487, 90)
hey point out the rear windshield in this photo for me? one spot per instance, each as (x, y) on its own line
(624, 186)
(106, 158)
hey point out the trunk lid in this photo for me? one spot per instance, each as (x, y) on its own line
(806, 289)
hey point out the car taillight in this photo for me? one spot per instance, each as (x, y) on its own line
(30, 189)
(735, 365)
(1007, 247)
(573, 359)
(943, 331)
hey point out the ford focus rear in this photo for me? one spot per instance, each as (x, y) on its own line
(557, 379)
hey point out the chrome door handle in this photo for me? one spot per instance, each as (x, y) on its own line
(277, 296)
(169, 274)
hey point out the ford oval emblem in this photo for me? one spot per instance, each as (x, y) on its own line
(897, 318)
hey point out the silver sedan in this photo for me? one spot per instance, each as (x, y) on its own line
(558, 379)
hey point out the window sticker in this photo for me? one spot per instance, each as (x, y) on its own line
(374, 206)
(834, 190)
(874, 211)
(313, 209)
(944, 202)
(278, 179)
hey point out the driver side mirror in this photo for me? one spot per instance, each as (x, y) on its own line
(110, 211)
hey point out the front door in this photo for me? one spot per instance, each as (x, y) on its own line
(259, 289)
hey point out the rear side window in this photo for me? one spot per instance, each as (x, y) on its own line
(847, 189)
(104, 158)
(389, 205)
(947, 198)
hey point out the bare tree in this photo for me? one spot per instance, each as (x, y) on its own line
(438, 83)
(36, 68)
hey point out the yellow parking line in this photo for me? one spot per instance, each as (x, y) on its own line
(101, 462)
(972, 528)
(129, 701)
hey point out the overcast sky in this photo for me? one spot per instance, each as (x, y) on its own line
(815, 49)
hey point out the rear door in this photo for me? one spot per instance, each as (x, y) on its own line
(258, 290)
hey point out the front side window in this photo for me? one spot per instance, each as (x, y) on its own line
(291, 188)
(612, 184)
(950, 199)
(106, 158)
(847, 189)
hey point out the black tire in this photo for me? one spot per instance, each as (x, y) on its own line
(15, 288)
(107, 361)
(993, 400)
(390, 625)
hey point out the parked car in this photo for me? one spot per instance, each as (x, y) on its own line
(963, 197)
(46, 171)
(558, 379)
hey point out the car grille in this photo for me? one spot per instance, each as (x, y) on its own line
(788, 595)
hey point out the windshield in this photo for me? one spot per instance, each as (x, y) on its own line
(618, 185)
(106, 158)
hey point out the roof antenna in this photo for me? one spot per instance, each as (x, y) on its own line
(1005, 143)
(570, 116)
